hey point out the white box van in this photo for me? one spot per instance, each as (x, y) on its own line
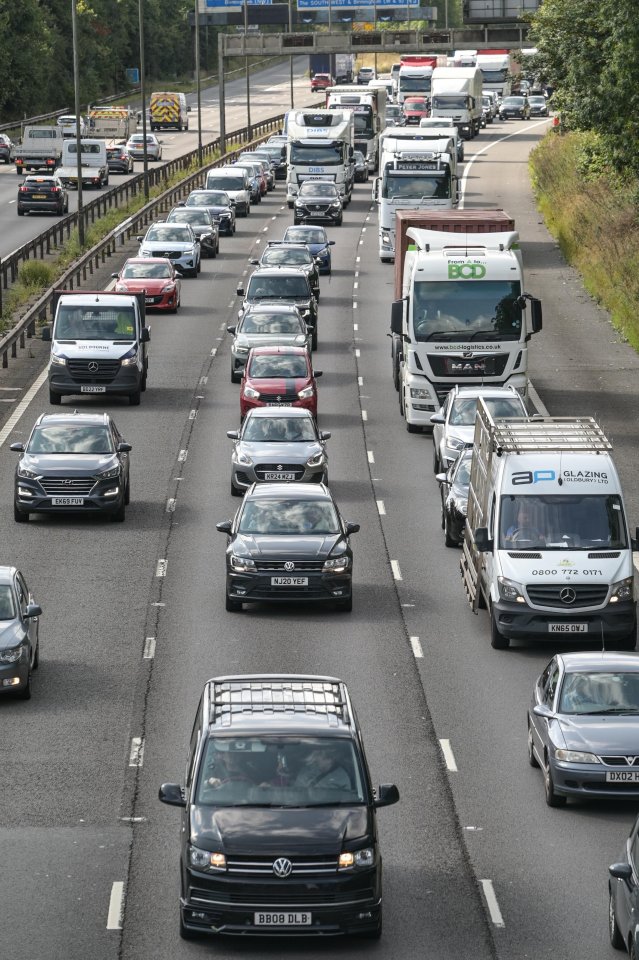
(236, 183)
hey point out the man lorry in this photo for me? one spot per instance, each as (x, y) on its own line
(168, 110)
(415, 174)
(415, 77)
(456, 93)
(94, 169)
(495, 70)
(368, 106)
(547, 548)
(112, 123)
(460, 314)
(40, 148)
(98, 345)
(320, 147)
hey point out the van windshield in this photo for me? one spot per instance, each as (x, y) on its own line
(587, 522)
(95, 323)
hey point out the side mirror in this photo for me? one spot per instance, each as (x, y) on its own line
(172, 794)
(620, 871)
(375, 191)
(535, 315)
(352, 528)
(233, 434)
(114, 276)
(240, 290)
(124, 447)
(46, 334)
(482, 541)
(440, 477)
(224, 526)
(231, 329)
(181, 203)
(397, 317)
(317, 373)
(33, 610)
(387, 795)
(325, 435)
(145, 335)
(254, 262)
(331, 243)
(542, 710)
(140, 238)
(438, 418)
(17, 447)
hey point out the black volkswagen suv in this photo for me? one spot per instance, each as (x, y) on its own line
(289, 284)
(279, 834)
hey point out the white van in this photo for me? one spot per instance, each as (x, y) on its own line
(236, 183)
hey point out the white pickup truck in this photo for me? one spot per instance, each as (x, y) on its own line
(95, 169)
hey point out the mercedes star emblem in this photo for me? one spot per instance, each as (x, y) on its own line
(282, 868)
(289, 565)
(567, 595)
(93, 367)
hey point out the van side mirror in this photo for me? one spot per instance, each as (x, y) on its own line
(387, 795)
(46, 334)
(482, 541)
(397, 317)
(145, 335)
(535, 315)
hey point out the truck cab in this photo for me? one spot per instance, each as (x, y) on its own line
(320, 147)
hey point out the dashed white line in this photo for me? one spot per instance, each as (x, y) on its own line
(170, 505)
(354, 304)
(272, 218)
(355, 285)
(360, 381)
(491, 903)
(397, 573)
(160, 570)
(230, 307)
(136, 754)
(213, 351)
(417, 647)
(357, 352)
(204, 381)
(361, 242)
(149, 648)
(355, 326)
(381, 508)
(192, 414)
(357, 259)
(264, 229)
(116, 904)
(449, 756)
(182, 455)
(356, 274)
(371, 456)
(364, 415)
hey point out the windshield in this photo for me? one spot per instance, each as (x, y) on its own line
(462, 477)
(562, 523)
(197, 217)
(425, 185)
(70, 438)
(414, 84)
(600, 692)
(144, 271)
(289, 518)
(306, 235)
(314, 188)
(162, 232)
(415, 105)
(279, 429)
(285, 255)
(537, 101)
(450, 101)
(393, 110)
(312, 154)
(463, 410)
(512, 102)
(82, 323)
(270, 323)
(472, 310)
(278, 366)
(280, 772)
(287, 288)
(7, 608)
(494, 76)
(212, 198)
(225, 183)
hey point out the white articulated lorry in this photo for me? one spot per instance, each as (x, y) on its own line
(415, 175)
(368, 106)
(320, 147)
(456, 93)
(415, 78)
(460, 314)
(547, 548)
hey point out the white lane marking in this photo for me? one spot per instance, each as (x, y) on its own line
(355, 326)
(264, 229)
(489, 146)
(356, 284)
(397, 573)
(213, 351)
(357, 259)
(12, 201)
(230, 307)
(357, 352)
(11, 389)
(361, 242)
(381, 508)
(160, 570)
(371, 456)
(357, 273)
(536, 399)
(8, 400)
(182, 455)
(192, 414)
(8, 428)
(417, 647)
(116, 906)
(360, 381)
(136, 754)
(364, 415)
(204, 381)
(149, 648)
(449, 756)
(354, 304)
(170, 505)
(491, 903)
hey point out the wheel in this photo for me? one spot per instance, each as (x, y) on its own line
(497, 640)
(233, 606)
(295, 221)
(338, 223)
(127, 493)
(25, 693)
(314, 340)
(20, 212)
(235, 377)
(193, 273)
(120, 513)
(552, 799)
(448, 540)
(19, 516)
(134, 398)
(345, 605)
(36, 659)
(55, 399)
(532, 759)
(614, 932)
(199, 266)
(235, 491)
(437, 466)
(289, 204)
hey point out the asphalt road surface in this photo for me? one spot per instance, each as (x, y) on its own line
(475, 864)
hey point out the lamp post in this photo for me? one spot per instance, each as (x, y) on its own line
(145, 160)
(78, 134)
(290, 30)
(248, 76)
(197, 83)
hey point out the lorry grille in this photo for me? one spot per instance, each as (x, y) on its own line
(106, 370)
(585, 595)
(458, 368)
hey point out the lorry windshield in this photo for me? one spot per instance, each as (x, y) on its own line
(88, 323)
(316, 154)
(450, 101)
(281, 772)
(414, 84)
(466, 309)
(429, 184)
(562, 523)
(494, 76)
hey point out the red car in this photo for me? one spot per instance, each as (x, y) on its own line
(415, 108)
(279, 377)
(155, 276)
(321, 81)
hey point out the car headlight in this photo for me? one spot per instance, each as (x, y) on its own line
(121, 288)
(418, 393)
(206, 861)
(316, 460)
(461, 506)
(251, 393)
(145, 253)
(306, 393)
(11, 654)
(337, 564)
(108, 474)
(454, 443)
(243, 458)
(510, 590)
(240, 349)
(622, 590)
(130, 357)
(58, 360)
(23, 472)
(169, 288)
(299, 203)
(242, 564)
(336, 203)
(575, 756)
(359, 858)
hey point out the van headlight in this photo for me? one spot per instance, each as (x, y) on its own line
(622, 590)
(206, 861)
(58, 360)
(510, 590)
(358, 858)
(130, 357)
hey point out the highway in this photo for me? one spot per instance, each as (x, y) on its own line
(134, 621)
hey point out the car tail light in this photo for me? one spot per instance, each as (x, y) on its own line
(50, 162)
(55, 189)
(24, 189)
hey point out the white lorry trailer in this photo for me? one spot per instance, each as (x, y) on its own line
(456, 93)
(368, 105)
(320, 147)
(415, 175)
(495, 69)
(547, 548)
(94, 169)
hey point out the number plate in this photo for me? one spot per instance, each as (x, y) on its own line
(39, 196)
(622, 776)
(289, 581)
(149, 299)
(67, 501)
(278, 403)
(284, 919)
(91, 388)
(279, 476)
(567, 628)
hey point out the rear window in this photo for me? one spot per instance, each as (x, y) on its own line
(226, 183)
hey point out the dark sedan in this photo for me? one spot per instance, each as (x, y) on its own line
(205, 227)
(583, 726)
(516, 107)
(453, 486)
(288, 544)
(219, 205)
(119, 160)
(623, 897)
(72, 463)
(6, 145)
(44, 194)
(19, 634)
(281, 253)
(317, 242)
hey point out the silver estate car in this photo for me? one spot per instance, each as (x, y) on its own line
(277, 444)
(19, 633)
(267, 325)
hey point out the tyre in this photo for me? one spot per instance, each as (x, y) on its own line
(36, 659)
(19, 516)
(235, 491)
(134, 398)
(233, 606)
(127, 493)
(614, 932)
(54, 399)
(193, 273)
(375, 932)
(553, 799)
(295, 221)
(120, 514)
(345, 605)
(338, 223)
(532, 759)
(386, 259)
(314, 340)
(497, 640)
(448, 540)
(289, 204)
(437, 466)
(25, 693)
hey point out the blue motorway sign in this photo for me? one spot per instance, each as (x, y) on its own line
(226, 4)
(345, 4)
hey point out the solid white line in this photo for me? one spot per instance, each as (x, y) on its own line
(116, 906)
(9, 426)
(160, 570)
(136, 756)
(536, 399)
(149, 648)
(491, 903)
(449, 756)
(371, 456)
(397, 573)
(381, 507)
(489, 146)
(417, 647)
(364, 416)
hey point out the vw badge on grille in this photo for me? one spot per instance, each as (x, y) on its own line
(282, 868)
(93, 366)
(289, 565)
(567, 595)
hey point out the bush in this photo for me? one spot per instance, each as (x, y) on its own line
(36, 274)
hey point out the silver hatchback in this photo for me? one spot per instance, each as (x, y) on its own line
(267, 325)
(279, 444)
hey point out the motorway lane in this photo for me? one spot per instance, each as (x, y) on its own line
(270, 96)
(548, 867)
